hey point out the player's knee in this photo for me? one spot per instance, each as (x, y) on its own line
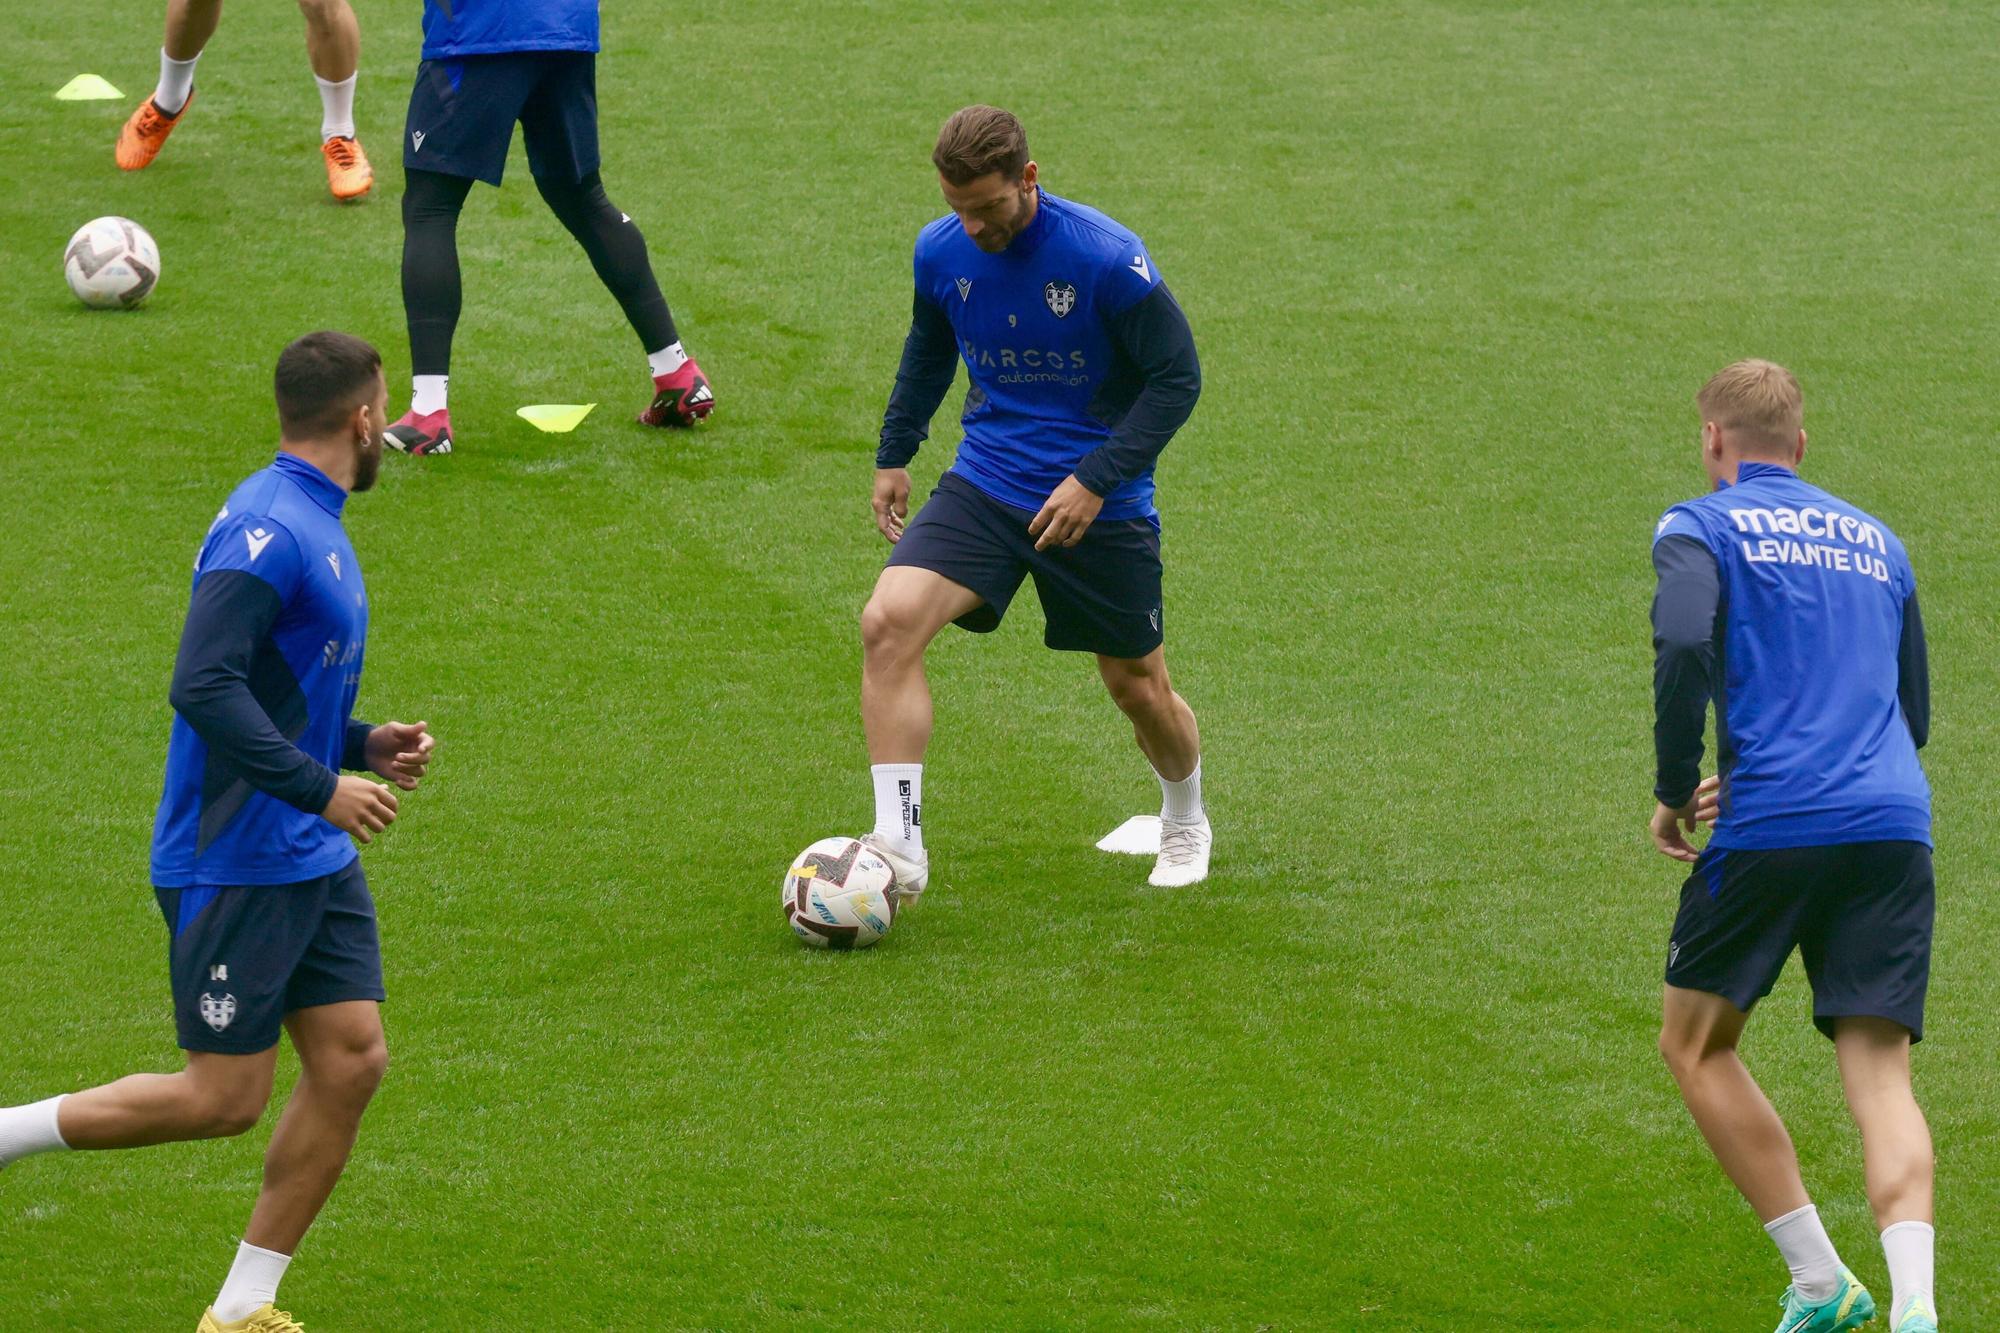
(1674, 1049)
(1139, 694)
(225, 1110)
(887, 629)
(320, 12)
(359, 1070)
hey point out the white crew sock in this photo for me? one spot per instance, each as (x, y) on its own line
(1909, 1248)
(667, 360)
(252, 1283)
(427, 393)
(899, 802)
(1180, 802)
(27, 1130)
(176, 82)
(336, 102)
(1808, 1253)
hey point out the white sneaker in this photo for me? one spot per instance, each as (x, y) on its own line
(912, 877)
(1184, 852)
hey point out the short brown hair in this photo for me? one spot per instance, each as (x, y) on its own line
(321, 378)
(978, 141)
(1759, 400)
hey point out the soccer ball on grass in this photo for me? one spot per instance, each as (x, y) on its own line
(111, 263)
(837, 895)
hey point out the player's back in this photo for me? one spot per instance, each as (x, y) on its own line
(455, 28)
(1814, 745)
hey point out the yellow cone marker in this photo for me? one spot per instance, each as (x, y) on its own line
(88, 88)
(556, 418)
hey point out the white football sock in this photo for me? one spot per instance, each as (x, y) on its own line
(667, 360)
(252, 1282)
(899, 802)
(336, 102)
(176, 82)
(26, 1130)
(1180, 802)
(1808, 1253)
(1909, 1248)
(427, 393)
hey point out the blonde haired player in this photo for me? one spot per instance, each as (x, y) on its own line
(1796, 614)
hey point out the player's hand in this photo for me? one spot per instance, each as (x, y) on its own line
(1671, 826)
(892, 501)
(360, 807)
(401, 751)
(1066, 515)
(1708, 799)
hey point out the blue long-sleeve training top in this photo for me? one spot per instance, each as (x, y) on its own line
(1796, 614)
(264, 688)
(454, 28)
(1079, 359)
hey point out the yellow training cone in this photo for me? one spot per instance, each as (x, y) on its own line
(87, 88)
(556, 418)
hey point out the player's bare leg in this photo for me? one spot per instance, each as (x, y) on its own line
(1874, 1058)
(333, 45)
(190, 23)
(1169, 737)
(342, 1058)
(1698, 1036)
(216, 1096)
(1699, 1033)
(906, 611)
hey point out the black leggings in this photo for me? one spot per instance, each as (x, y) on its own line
(431, 295)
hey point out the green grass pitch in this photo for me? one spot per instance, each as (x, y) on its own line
(1456, 271)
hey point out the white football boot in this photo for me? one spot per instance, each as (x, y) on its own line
(912, 877)
(1184, 852)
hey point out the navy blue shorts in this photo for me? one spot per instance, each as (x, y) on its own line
(1100, 596)
(243, 958)
(1859, 913)
(462, 114)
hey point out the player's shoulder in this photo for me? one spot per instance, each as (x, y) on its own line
(1121, 270)
(937, 236)
(261, 515)
(1091, 231)
(1694, 518)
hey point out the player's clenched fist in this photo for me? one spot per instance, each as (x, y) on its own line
(360, 807)
(892, 500)
(401, 752)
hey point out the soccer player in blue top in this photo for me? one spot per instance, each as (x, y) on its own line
(487, 64)
(270, 923)
(1081, 368)
(1796, 614)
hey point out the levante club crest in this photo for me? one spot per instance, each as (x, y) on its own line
(1061, 297)
(217, 1011)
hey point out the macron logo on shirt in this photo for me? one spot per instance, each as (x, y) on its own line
(1140, 267)
(257, 539)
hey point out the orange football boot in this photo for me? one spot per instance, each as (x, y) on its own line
(146, 132)
(348, 174)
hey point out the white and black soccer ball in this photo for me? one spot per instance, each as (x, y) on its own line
(111, 264)
(839, 895)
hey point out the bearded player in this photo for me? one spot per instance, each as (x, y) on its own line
(1796, 614)
(486, 65)
(1081, 368)
(270, 924)
(333, 46)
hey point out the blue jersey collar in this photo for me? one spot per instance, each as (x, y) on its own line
(1030, 240)
(323, 489)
